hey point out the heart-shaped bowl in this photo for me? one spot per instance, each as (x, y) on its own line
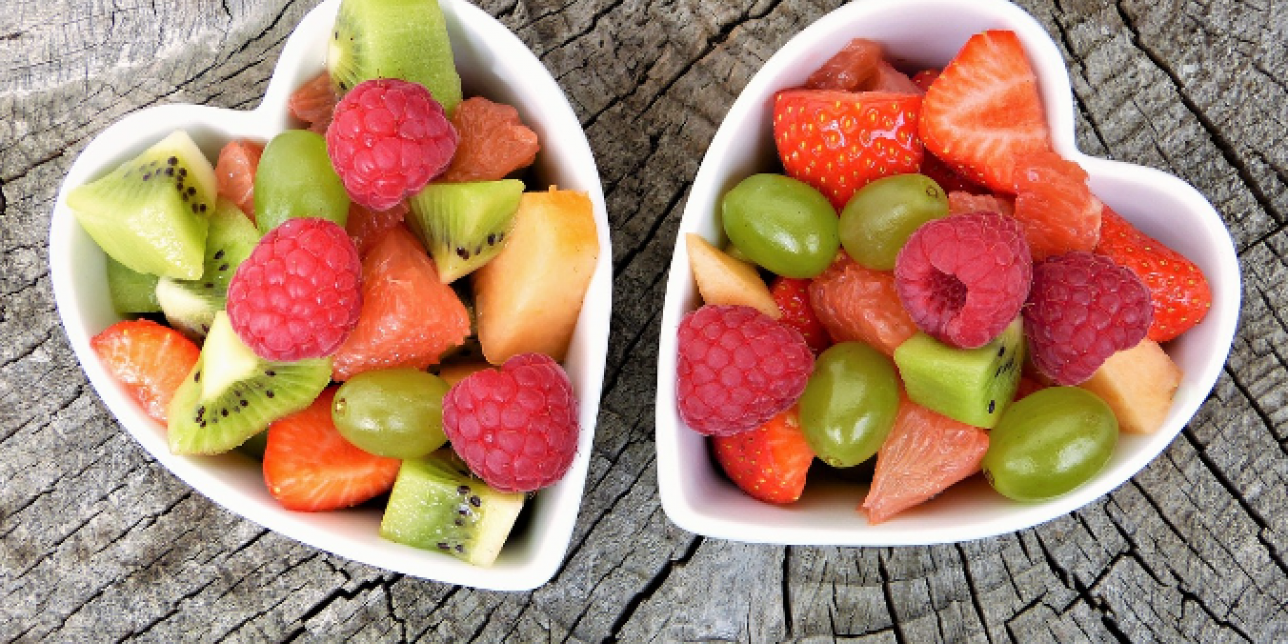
(492, 62)
(923, 33)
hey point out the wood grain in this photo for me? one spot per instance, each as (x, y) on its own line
(100, 543)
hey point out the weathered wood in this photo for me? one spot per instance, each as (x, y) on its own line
(99, 542)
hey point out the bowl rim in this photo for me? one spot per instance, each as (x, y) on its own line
(698, 507)
(554, 509)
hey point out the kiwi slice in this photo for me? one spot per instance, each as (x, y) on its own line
(973, 386)
(464, 225)
(190, 305)
(150, 212)
(131, 291)
(404, 39)
(231, 394)
(436, 504)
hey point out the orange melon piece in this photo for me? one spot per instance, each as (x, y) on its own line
(529, 296)
(1138, 385)
(724, 280)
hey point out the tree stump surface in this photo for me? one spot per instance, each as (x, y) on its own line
(101, 543)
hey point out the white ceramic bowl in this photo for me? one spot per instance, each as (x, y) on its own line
(924, 33)
(493, 63)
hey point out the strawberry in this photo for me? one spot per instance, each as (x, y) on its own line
(924, 78)
(839, 141)
(984, 110)
(309, 466)
(768, 462)
(948, 178)
(150, 360)
(1177, 288)
(792, 297)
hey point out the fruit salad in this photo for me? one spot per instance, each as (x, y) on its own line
(374, 303)
(926, 285)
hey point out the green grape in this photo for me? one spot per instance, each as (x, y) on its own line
(781, 224)
(1050, 442)
(881, 216)
(849, 404)
(392, 412)
(295, 179)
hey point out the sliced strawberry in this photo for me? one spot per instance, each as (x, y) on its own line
(924, 78)
(235, 173)
(850, 70)
(960, 203)
(1054, 204)
(840, 141)
(314, 103)
(769, 462)
(984, 110)
(924, 454)
(149, 359)
(310, 467)
(1177, 288)
(792, 297)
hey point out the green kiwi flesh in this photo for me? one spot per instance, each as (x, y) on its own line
(190, 305)
(436, 504)
(131, 291)
(231, 394)
(404, 39)
(464, 225)
(973, 386)
(149, 213)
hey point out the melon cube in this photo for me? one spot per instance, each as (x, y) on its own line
(1138, 385)
(722, 279)
(529, 296)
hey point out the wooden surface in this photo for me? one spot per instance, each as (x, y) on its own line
(100, 543)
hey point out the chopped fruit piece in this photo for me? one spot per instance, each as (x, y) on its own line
(493, 142)
(840, 141)
(1027, 386)
(309, 467)
(409, 318)
(148, 359)
(960, 203)
(299, 293)
(857, 303)
(889, 79)
(924, 78)
(1138, 384)
(314, 103)
(457, 371)
(235, 174)
(387, 140)
(1180, 293)
(724, 280)
(984, 111)
(769, 462)
(949, 179)
(973, 386)
(737, 368)
(1082, 309)
(963, 279)
(924, 454)
(792, 297)
(1055, 205)
(515, 426)
(366, 227)
(850, 69)
(464, 225)
(529, 296)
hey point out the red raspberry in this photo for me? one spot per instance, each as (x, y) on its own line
(1082, 309)
(387, 139)
(516, 427)
(737, 369)
(964, 278)
(299, 293)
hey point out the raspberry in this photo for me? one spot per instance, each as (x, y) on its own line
(737, 369)
(298, 294)
(964, 278)
(1082, 309)
(387, 139)
(516, 427)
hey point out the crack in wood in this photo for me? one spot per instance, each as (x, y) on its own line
(652, 587)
